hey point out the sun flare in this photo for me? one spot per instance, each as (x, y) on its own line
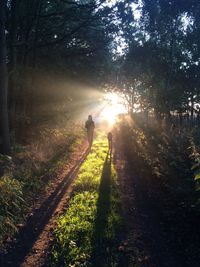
(113, 107)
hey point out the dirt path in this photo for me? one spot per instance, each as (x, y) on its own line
(34, 239)
(151, 240)
(146, 244)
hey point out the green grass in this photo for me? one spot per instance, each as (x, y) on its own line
(87, 235)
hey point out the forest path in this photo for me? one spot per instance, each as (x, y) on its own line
(150, 238)
(145, 243)
(158, 232)
(34, 239)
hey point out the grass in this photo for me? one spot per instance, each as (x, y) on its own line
(88, 233)
(27, 174)
(12, 208)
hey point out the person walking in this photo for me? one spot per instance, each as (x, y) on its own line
(89, 125)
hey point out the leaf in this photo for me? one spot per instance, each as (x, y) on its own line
(195, 166)
(197, 176)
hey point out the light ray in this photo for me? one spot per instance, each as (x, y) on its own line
(113, 107)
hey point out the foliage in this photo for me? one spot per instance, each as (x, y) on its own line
(160, 70)
(195, 156)
(162, 181)
(87, 233)
(50, 44)
(29, 172)
(12, 207)
(160, 152)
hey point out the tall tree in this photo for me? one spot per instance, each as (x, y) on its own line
(3, 82)
(163, 52)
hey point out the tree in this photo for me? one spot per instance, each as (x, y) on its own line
(69, 38)
(3, 83)
(163, 55)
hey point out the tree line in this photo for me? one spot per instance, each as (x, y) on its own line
(67, 37)
(160, 70)
(147, 49)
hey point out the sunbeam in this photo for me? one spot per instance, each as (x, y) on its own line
(113, 106)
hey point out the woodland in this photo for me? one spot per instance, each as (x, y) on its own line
(148, 49)
(58, 60)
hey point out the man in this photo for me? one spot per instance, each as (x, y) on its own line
(89, 125)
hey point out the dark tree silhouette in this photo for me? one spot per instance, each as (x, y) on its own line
(3, 83)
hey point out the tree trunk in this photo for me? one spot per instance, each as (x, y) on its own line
(12, 66)
(3, 83)
(37, 27)
(13, 33)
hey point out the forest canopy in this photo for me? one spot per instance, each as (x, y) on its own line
(146, 49)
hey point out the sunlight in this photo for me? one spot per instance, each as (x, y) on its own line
(113, 107)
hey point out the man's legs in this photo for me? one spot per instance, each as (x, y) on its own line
(90, 137)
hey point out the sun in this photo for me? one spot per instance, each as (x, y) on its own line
(113, 107)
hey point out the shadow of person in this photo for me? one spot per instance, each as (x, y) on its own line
(35, 224)
(98, 254)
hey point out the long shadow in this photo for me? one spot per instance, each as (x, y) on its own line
(35, 224)
(103, 209)
(164, 226)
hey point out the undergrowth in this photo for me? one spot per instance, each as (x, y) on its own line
(28, 172)
(88, 233)
(161, 152)
(195, 157)
(161, 160)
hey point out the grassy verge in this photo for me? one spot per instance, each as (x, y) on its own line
(27, 174)
(88, 234)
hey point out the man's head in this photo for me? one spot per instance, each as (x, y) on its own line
(90, 117)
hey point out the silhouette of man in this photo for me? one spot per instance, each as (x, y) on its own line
(89, 125)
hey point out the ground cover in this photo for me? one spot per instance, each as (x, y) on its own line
(29, 173)
(88, 234)
(160, 185)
